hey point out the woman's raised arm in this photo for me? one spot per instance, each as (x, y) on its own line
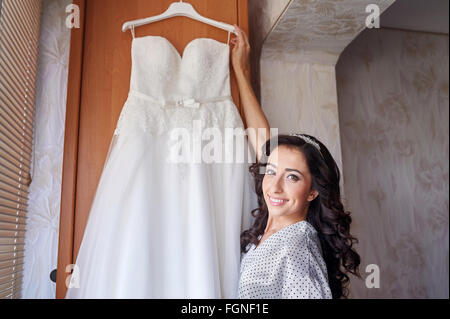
(257, 125)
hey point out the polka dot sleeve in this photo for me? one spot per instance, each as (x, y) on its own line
(288, 264)
(304, 272)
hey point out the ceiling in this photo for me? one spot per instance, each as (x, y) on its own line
(317, 31)
(417, 15)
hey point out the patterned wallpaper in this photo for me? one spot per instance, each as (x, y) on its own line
(263, 14)
(388, 111)
(302, 98)
(298, 81)
(394, 119)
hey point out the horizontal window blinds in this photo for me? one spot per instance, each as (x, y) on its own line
(19, 36)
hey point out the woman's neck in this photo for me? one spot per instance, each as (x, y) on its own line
(274, 224)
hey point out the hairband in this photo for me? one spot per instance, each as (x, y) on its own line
(308, 140)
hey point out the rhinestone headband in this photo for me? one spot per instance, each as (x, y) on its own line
(308, 140)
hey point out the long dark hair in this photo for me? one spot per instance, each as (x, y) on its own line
(326, 212)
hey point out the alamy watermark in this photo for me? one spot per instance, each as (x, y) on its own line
(373, 279)
(216, 145)
(73, 280)
(73, 19)
(373, 19)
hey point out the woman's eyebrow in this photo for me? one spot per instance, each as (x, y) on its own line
(287, 169)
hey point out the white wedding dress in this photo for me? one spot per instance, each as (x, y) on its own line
(159, 228)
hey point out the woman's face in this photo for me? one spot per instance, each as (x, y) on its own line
(287, 184)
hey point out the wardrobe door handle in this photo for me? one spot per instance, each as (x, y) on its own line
(53, 275)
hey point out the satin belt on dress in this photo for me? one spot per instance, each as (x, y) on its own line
(191, 102)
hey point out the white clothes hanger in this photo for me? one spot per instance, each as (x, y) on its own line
(178, 9)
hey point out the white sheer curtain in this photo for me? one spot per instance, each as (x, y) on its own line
(41, 239)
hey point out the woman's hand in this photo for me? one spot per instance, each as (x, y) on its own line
(256, 122)
(240, 54)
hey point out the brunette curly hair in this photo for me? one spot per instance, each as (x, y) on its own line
(326, 212)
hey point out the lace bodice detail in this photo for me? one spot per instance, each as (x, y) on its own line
(158, 69)
(160, 73)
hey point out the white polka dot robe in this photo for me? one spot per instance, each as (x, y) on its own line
(286, 265)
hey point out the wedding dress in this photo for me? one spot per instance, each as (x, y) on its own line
(160, 227)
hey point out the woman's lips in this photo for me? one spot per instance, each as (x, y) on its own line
(277, 201)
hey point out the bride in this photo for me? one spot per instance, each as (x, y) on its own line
(300, 244)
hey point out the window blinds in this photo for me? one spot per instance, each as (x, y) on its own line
(19, 36)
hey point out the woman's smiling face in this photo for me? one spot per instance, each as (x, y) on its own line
(287, 184)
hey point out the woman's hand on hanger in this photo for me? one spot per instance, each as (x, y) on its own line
(258, 128)
(240, 54)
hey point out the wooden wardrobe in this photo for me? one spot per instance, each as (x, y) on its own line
(98, 84)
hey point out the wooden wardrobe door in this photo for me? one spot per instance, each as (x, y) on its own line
(99, 78)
